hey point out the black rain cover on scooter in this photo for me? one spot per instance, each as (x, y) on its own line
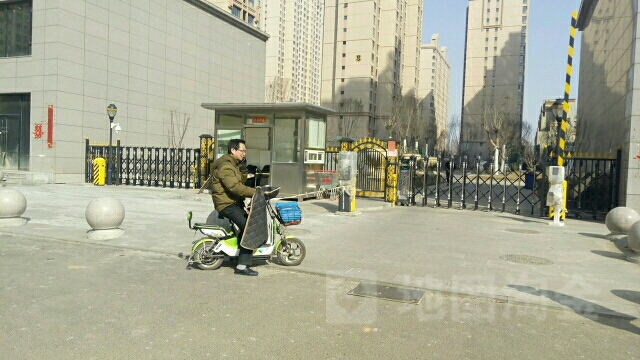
(255, 232)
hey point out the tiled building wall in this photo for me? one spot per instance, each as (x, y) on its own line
(149, 57)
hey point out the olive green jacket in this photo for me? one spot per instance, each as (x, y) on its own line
(227, 186)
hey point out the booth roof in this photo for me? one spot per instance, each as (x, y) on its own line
(241, 108)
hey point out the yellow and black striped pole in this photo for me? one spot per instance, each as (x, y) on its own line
(562, 125)
(562, 129)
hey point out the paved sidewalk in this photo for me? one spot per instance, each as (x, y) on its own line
(487, 254)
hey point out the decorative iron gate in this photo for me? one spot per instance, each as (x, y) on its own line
(375, 167)
(372, 167)
(147, 166)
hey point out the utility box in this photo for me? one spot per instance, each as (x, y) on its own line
(555, 174)
(99, 171)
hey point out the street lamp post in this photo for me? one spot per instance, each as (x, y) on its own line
(111, 112)
(558, 111)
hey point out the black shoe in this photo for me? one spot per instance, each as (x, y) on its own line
(246, 271)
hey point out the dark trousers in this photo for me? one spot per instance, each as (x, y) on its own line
(238, 216)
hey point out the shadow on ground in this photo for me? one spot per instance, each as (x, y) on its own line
(587, 309)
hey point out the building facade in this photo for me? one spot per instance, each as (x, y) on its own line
(434, 86)
(370, 56)
(249, 11)
(494, 68)
(158, 61)
(294, 48)
(547, 130)
(608, 94)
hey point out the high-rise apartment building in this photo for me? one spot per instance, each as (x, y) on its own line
(496, 44)
(294, 48)
(434, 91)
(245, 10)
(370, 55)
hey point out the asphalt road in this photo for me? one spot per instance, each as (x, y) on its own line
(66, 300)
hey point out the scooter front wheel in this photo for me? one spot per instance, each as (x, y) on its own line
(204, 257)
(291, 252)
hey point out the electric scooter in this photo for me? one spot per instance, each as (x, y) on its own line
(208, 253)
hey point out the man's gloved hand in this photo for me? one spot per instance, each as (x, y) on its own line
(271, 192)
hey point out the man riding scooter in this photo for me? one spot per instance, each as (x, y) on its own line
(228, 192)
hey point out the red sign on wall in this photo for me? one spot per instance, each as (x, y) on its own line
(37, 132)
(259, 119)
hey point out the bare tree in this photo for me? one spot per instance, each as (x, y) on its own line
(179, 123)
(530, 155)
(453, 134)
(404, 116)
(350, 118)
(279, 90)
(499, 125)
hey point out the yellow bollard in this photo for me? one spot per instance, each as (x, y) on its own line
(99, 171)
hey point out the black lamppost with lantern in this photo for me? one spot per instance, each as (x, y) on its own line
(111, 112)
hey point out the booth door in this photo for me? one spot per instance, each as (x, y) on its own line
(258, 152)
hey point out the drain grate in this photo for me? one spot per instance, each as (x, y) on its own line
(523, 231)
(526, 259)
(393, 293)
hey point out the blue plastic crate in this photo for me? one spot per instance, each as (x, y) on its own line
(289, 212)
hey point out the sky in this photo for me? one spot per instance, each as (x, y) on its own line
(547, 49)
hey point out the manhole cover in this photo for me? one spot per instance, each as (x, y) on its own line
(393, 293)
(523, 231)
(526, 259)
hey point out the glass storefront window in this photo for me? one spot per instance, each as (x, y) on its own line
(15, 28)
(15, 115)
(316, 133)
(285, 140)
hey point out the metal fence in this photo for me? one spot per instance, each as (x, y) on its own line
(593, 185)
(147, 166)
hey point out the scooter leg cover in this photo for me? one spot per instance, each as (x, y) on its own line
(255, 232)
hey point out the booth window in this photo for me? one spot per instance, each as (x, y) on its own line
(316, 132)
(285, 140)
(15, 28)
(223, 140)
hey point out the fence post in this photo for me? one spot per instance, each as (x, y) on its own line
(424, 180)
(491, 182)
(519, 187)
(464, 181)
(438, 163)
(616, 192)
(504, 185)
(88, 169)
(450, 182)
(118, 162)
(475, 200)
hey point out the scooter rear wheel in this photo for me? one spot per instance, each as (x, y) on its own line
(292, 253)
(204, 257)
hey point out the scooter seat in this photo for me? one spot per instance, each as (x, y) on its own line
(206, 226)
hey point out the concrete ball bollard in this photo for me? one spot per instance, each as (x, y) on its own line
(620, 219)
(633, 237)
(12, 205)
(105, 215)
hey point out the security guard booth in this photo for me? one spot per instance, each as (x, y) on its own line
(285, 141)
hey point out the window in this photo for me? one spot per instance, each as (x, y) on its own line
(250, 19)
(235, 11)
(344, 29)
(488, 11)
(524, 19)
(341, 80)
(251, 3)
(341, 92)
(524, 9)
(345, 17)
(15, 28)
(316, 133)
(344, 43)
(342, 67)
(285, 140)
(344, 55)
(346, 5)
